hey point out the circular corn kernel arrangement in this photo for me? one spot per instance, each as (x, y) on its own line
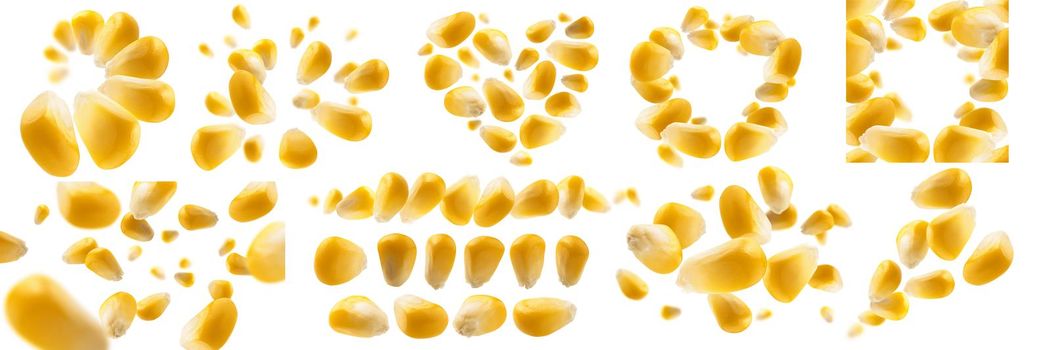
(670, 119)
(504, 103)
(874, 124)
(106, 119)
(251, 102)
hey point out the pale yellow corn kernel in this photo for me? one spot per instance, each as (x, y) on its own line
(731, 313)
(761, 38)
(748, 140)
(731, 28)
(897, 8)
(784, 61)
(185, 279)
(769, 92)
(562, 104)
(391, 194)
(425, 195)
(479, 315)
(858, 155)
(250, 100)
(962, 144)
(572, 194)
(789, 271)
(12, 248)
(505, 104)
(145, 58)
(218, 105)
(885, 280)
(944, 190)
(990, 259)
(247, 60)
(54, 56)
(148, 100)
(632, 195)
(266, 255)
(669, 312)
(826, 277)
(254, 201)
(315, 62)
(893, 44)
(909, 28)
(193, 217)
(419, 318)
(901, 111)
(85, 27)
(949, 40)
(784, 220)
(75, 254)
(306, 99)
(571, 255)
(933, 285)
(168, 236)
(653, 120)
(37, 307)
(119, 30)
(295, 37)
(859, 88)
(527, 259)
(351, 35)
(136, 229)
(540, 31)
(468, 59)
(397, 253)
(459, 201)
(47, 133)
(441, 254)
(236, 264)
(976, 26)
(108, 130)
(969, 54)
(371, 75)
(357, 204)
(870, 318)
(540, 317)
(219, 289)
(582, 28)
(464, 101)
(987, 120)
(538, 199)
(993, 64)
(769, 117)
(633, 286)
(266, 51)
(338, 261)
(253, 148)
(240, 16)
(205, 50)
(57, 74)
(941, 17)
(857, 8)
(776, 188)
(594, 201)
(655, 91)
(227, 246)
(538, 130)
(345, 70)
(102, 263)
(912, 243)
(481, 256)
(134, 252)
(949, 232)
(211, 327)
(674, 81)
(687, 224)
(153, 306)
(695, 17)
(860, 53)
(703, 193)
(441, 72)
(763, 314)
(483, 17)
(451, 30)
(898, 145)
(358, 316)
(117, 313)
(817, 223)
(41, 213)
(493, 45)
(526, 58)
(729, 267)
(540, 82)
(297, 150)
(855, 330)
(496, 202)
(650, 61)
(704, 38)
(741, 216)
(668, 38)
(350, 123)
(894, 307)
(986, 90)
(826, 314)
(839, 215)
(87, 205)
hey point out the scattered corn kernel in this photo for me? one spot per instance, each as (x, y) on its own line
(493, 45)
(571, 255)
(741, 216)
(632, 285)
(650, 61)
(86, 25)
(732, 314)
(185, 279)
(11, 248)
(75, 254)
(481, 257)
(391, 194)
(424, 196)
(250, 101)
(945, 189)
(748, 140)
(976, 26)
(897, 8)
(933, 285)
(538, 130)
(653, 120)
(350, 123)
(539, 32)
(397, 253)
(505, 104)
(296, 37)
(452, 30)
(117, 313)
(108, 130)
(441, 254)
(153, 306)
(789, 271)
(898, 145)
(885, 280)
(211, 327)
(194, 217)
(496, 202)
(358, 204)
(41, 214)
(266, 255)
(539, 317)
(870, 318)
(358, 316)
(136, 229)
(785, 220)
(990, 259)
(826, 314)
(731, 266)
(826, 277)
(236, 264)
(909, 28)
(102, 263)
(912, 243)
(371, 75)
(119, 30)
(656, 247)
(87, 204)
(419, 318)
(894, 307)
(479, 315)
(540, 82)
(527, 259)
(37, 307)
(338, 261)
(732, 27)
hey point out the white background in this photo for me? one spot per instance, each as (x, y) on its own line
(413, 134)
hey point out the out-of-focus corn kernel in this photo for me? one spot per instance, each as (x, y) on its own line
(505, 104)
(893, 44)
(41, 213)
(337, 261)
(650, 61)
(976, 26)
(656, 247)
(350, 123)
(686, 223)
(441, 254)
(205, 50)
(741, 216)
(185, 279)
(86, 25)
(729, 267)
(227, 246)
(826, 277)
(897, 8)
(254, 201)
(857, 8)
(117, 313)
(184, 263)
(11, 248)
(75, 254)
(168, 236)
(108, 130)
(119, 30)
(732, 28)
(295, 37)
(253, 148)
(993, 64)
(451, 30)
(582, 28)
(539, 32)
(236, 264)
(357, 204)
(941, 17)
(539, 317)
(986, 90)
(47, 133)
(315, 62)
(633, 286)
(763, 314)
(481, 257)
(990, 259)
(761, 38)
(912, 243)
(151, 307)
(571, 255)
(527, 259)
(704, 38)
(769, 92)
(266, 49)
(479, 315)
(858, 155)
(211, 327)
(784, 220)
(313, 22)
(789, 271)
(397, 253)
(667, 154)
(669, 312)
(731, 313)
(54, 56)
(969, 54)
(266, 255)
(57, 74)
(860, 53)
(473, 124)
(345, 70)
(496, 202)
(37, 307)
(351, 34)
(87, 205)
(826, 314)
(909, 28)
(894, 307)
(870, 318)
(703, 193)
(240, 16)
(102, 263)
(250, 101)
(897, 145)
(136, 229)
(962, 144)
(218, 104)
(358, 316)
(695, 17)
(933, 285)
(493, 45)
(885, 280)
(748, 140)
(424, 196)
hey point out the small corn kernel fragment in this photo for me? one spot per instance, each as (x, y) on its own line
(527, 259)
(57, 74)
(441, 254)
(540, 317)
(250, 101)
(789, 271)
(47, 133)
(306, 99)
(909, 28)
(350, 123)
(826, 277)
(481, 257)
(826, 314)
(703, 193)
(117, 313)
(897, 8)
(451, 30)
(653, 120)
(11, 248)
(776, 188)
(295, 37)
(86, 25)
(102, 263)
(732, 314)
(211, 327)
(391, 194)
(236, 264)
(860, 53)
(656, 247)
(912, 243)
(184, 263)
(748, 140)
(562, 104)
(185, 279)
(136, 229)
(941, 18)
(986, 90)
(763, 314)
(479, 315)
(933, 285)
(686, 223)
(859, 88)
(371, 75)
(441, 72)
(338, 261)
(538, 130)
(397, 253)
(419, 318)
(227, 246)
(540, 82)
(425, 194)
(75, 254)
(741, 216)
(38, 308)
(87, 205)
(153, 306)
(993, 64)
(839, 215)
(785, 220)
(119, 30)
(539, 32)
(632, 285)
(894, 307)
(168, 236)
(266, 255)
(571, 255)
(505, 104)
(669, 312)
(897, 145)
(885, 280)
(205, 50)
(41, 213)
(358, 316)
(870, 318)
(976, 26)
(990, 259)
(464, 101)
(893, 44)
(108, 130)
(945, 189)
(729, 267)
(134, 252)
(194, 217)
(731, 28)
(496, 202)
(962, 144)
(493, 45)
(761, 38)
(357, 204)
(473, 124)
(650, 61)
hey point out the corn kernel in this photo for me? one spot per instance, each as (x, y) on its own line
(358, 204)
(826, 277)
(562, 104)
(709, 272)
(185, 279)
(117, 313)
(839, 215)
(236, 264)
(571, 193)
(493, 45)
(147, 100)
(136, 229)
(656, 246)
(539, 32)
(41, 213)
(655, 91)
(538, 130)
(650, 61)
(976, 26)
(990, 259)
(371, 75)
(769, 117)
(218, 105)
(85, 26)
(912, 243)
(783, 63)
(897, 8)
(452, 30)
(397, 254)
(505, 104)
(482, 256)
(297, 150)
(134, 252)
(346, 122)
(37, 307)
(705, 39)
(885, 280)
(776, 188)
(686, 223)
(933, 285)
(741, 216)
(859, 88)
(87, 204)
(785, 220)
(860, 53)
(47, 133)
(870, 318)
(75, 254)
(266, 255)
(57, 74)
(540, 82)
(211, 327)
(941, 17)
(54, 56)
(731, 313)
(151, 307)
(857, 8)
(540, 317)
(748, 140)
(632, 285)
(358, 316)
(993, 64)
(771, 92)
(295, 37)
(12, 248)
(763, 314)
(441, 72)
(909, 28)
(391, 194)
(193, 217)
(102, 263)
(987, 120)
(205, 50)
(315, 62)
(441, 254)
(944, 190)
(419, 318)
(989, 90)
(732, 27)
(526, 58)
(571, 255)
(962, 144)
(145, 58)
(168, 236)
(109, 131)
(594, 201)
(240, 16)
(826, 314)
(464, 101)
(582, 28)
(695, 17)
(338, 261)
(761, 38)
(119, 30)
(496, 202)
(897, 145)
(479, 315)
(306, 99)
(893, 307)
(703, 193)
(250, 101)
(652, 121)
(254, 201)
(789, 271)
(425, 194)
(527, 259)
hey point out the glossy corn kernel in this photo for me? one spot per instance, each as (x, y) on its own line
(185, 279)
(37, 307)
(870, 318)
(631, 285)
(266, 255)
(789, 271)
(839, 215)
(741, 216)
(75, 254)
(391, 195)
(214, 144)
(371, 75)
(219, 289)
(987, 120)
(784, 220)
(526, 58)
(783, 63)
(731, 313)
(668, 38)
(912, 243)
(218, 105)
(118, 31)
(397, 253)
(136, 229)
(441, 254)
(135, 251)
(857, 8)
(655, 91)
(227, 246)
(941, 17)
(211, 327)
(731, 28)
(976, 26)
(41, 213)
(193, 217)
(656, 247)
(441, 72)
(11, 248)
(102, 263)
(346, 122)
(894, 307)
(315, 62)
(419, 318)
(769, 92)
(424, 196)
(505, 104)
(859, 88)
(705, 39)
(117, 313)
(85, 26)
(493, 45)
(344, 71)
(145, 58)
(498, 139)
(236, 264)
(540, 317)
(496, 202)
(933, 285)
(254, 201)
(731, 266)
(858, 155)
(652, 121)
(562, 104)
(687, 224)
(148, 100)
(571, 193)
(295, 37)
(358, 316)
(878, 111)
(909, 28)
(153, 306)
(990, 259)
(306, 99)
(695, 17)
(87, 205)
(897, 8)
(539, 32)
(776, 188)
(538, 199)
(594, 201)
(266, 50)
(703, 193)
(747, 140)
(994, 62)
(897, 145)
(538, 130)
(467, 57)
(479, 315)
(885, 280)
(962, 144)
(540, 82)
(769, 117)
(582, 28)
(650, 61)
(464, 101)
(460, 199)
(47, 133)
(240, 16)
(250, 101)
(358, 204)
(945, 189)
(482, 256)
(452, 30)
(54, 55)
(109, 131)
(338, 261)
(859, 54)
(761, 38)
(701, 141)
(826, 277)
(571, 255)
(527, 259)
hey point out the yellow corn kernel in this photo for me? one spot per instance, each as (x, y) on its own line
(266, 255)
(789, 271)
(460, 199)
(571, 255)
(538, 130)
(894, 307)
(358, 316)
(425, 194)
(332, 199)
(219, 289)
(214, 144)
(254, 201)
(47, 133)
(85, 26)
(151, 307)
(505, 104)
(912, 243)
(344, 71)
(857, 8)
(839, 215)
(540, 82)
(783, 63)
(763, 314)
(185, 279)
(893, 44)
(987, 120)
(594, 201)
(962, 144)
(652, 121)
(483, 17)
(136, 229)
(465, 56)
(253, 148)
(761, 38)
(884, 281)
(295, 37)
(776, 188)
(266, 51)
(901, 111)
(538, 199)
(650, 61)
(493, 45)
(338, 261)
(168, 236)
(527, 259)
(102, 263)
(656, 246)
(731, 313)
(495, 203)
(826, 314)
(226, 247)
(707, 272)
(419, 318)
(732, 27)
(989, 90)
(539, 32)
(674, 81)
(703, 193)
(75, 254)
(117, 313)
(669, 312)
(211, 327)
(38, 306)
(473, 124)
(784, 220)
(858, 155)
(631, 195)
(441, 72)
(687, 224)
(482, 256)
(771, 92)
(968, 54)
(315, 62)
(769, 117)
(898, 145)
(350, 123)
(582, 28)
(134, 252)
(351, 35)
(109, 131)
(990, 259)
(147, 100)
(976, 26)
(41, 213)
(526, 58)
(464, 101)
(669, 39)
(870, 318)
(655, 91)
(933, 285)
(371, 75)
(306, 99)
(236, 264)
(57, 74)
(218, 105)
(860, 53)
(632, 285)
(391, 194)
(562, 104)
(145, 58)
(897, 8)
(451, 30)
(479, 315)
(859, 88)
(119, 30)
(993, 64)
(250, 101)
(944, 190)
(193, 217)
(184, 263)
(205, 50)
(397, 254)
(571, 193)
(441, 254)
(826, 277)
(358, 204)
(54, 56)
(12, 248)
(313, 22)
(695, 17)
(909, 28)
(704, 39)
(941, 17)
(748, 140)
(741, 216)
(540, 317)
(87, 204)
(240, 16)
